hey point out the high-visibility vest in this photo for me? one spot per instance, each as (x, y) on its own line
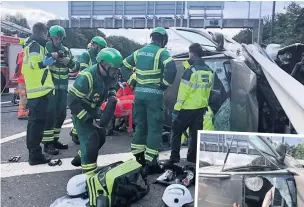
(38, 81)
(199, 85)
(208, 120)
(124, 91)
(19, 61)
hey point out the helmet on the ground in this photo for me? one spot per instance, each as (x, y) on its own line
(110, 56)
(100, 41)
(160, 31)
(76, 186)
(57, 31)
(177, 195)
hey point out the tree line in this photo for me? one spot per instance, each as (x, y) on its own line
(80, 38)
(288, 28)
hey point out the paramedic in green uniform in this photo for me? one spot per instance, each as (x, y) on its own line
(87, 59)
(91, 87)
(155, 71)
(59, 70)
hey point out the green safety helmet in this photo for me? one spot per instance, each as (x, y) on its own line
(100, 41)
(57, 31)
(110, 56)
(161, 31)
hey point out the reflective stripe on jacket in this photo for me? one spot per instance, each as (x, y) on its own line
(38, 80)
(195, 87)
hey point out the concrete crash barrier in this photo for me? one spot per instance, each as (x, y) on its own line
(287, 90)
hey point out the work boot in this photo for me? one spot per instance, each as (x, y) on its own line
(140, 158)
(60, 145)
(75, 138)
(169, 163)
(50, 149)
(152, 168)
(76, 161)
(37, 159)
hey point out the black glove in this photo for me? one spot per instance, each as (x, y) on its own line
(111, 93)
(108, 112)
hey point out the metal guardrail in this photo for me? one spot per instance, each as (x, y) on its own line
(288, 90)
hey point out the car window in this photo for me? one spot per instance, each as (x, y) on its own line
(217, 65)
(197, 38)
(177, 44)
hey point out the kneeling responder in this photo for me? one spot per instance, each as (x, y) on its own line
(89, 90)
(155, 71)
(192, 103)
(87, 59)
(40, 89)
(59, 70)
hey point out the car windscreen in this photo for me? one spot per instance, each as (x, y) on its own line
(242, 154)
(264, 147)
(198, 38)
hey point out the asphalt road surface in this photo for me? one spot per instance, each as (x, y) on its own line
(39, 186)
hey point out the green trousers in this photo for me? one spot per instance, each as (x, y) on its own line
(74, 131)
(91, 140)
(57, 108)
(148, 117)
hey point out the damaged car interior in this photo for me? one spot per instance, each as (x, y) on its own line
(242, 98)
(266, 180)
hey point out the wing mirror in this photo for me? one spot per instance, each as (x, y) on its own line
(219, 39)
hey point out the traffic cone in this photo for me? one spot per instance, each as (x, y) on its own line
(22, 110)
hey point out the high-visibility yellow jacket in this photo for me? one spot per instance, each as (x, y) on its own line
(38, 78)
(195, 86)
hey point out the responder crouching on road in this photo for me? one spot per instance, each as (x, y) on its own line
(155, 71)
(87, 59)
(192, 103)
(91, 87)
(57, 107)
(40, 89)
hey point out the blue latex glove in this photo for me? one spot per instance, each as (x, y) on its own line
(48, 61)
(174, 116)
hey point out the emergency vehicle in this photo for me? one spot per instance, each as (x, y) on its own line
(10, 48)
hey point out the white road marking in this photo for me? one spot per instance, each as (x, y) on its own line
(5, 102)
(68, 125)
(23, 168)
(23, 134)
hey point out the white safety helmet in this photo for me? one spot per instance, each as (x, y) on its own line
(76, 186)
(177, 195)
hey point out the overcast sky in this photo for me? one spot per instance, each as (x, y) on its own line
(45, 10)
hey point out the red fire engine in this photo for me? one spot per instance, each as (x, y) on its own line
(10, 48)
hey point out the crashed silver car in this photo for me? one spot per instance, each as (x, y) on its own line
(246, 96)
(259, 176)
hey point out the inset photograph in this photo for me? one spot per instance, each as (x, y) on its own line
(250, 170)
